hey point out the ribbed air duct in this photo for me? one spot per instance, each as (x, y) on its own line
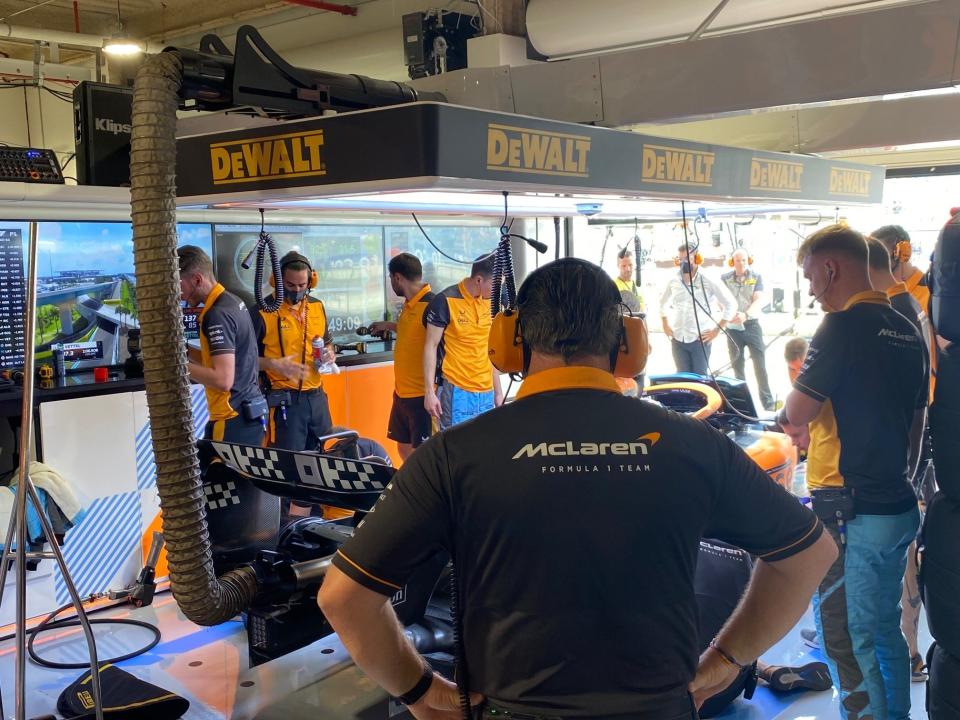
(203, 598)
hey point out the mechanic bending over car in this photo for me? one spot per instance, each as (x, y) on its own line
(562, 615)
(858, 405)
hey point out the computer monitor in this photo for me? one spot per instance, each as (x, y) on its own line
(86, 289)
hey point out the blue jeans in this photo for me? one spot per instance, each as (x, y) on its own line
(459, 405)
(689, 356)
(858, 617)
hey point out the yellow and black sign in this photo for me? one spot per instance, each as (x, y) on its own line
(677, 166)
(523, 150)
(450, 147)
(848, 181)
(776, 175)
(268, 158)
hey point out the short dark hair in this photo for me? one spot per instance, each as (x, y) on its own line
(624, 253)
(563, 312)
(406, 266)
(890, 235)
(482, 266)
(795, 349)
(296, 262)
(878, 257)
(839, 239)
(193, 259)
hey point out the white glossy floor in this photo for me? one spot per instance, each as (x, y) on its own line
(209, 667)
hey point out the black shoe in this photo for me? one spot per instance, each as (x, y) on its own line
(812, 676)
(810, 638)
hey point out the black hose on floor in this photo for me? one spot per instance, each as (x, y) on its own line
(51, 623)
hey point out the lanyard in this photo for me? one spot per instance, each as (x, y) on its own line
(303, 352)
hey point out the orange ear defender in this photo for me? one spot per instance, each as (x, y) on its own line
(902, 251)
(291, 257)
(505, 344)
(749, 260)
(697, 260)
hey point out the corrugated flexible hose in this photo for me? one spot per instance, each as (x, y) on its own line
(203, 597)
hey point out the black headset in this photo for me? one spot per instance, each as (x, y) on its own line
(294, 257)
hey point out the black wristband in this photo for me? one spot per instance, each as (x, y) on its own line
(727, 657)
(414, 694)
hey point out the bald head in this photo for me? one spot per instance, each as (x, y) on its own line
(741, 259)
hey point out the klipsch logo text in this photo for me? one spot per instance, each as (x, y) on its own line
(111, 126)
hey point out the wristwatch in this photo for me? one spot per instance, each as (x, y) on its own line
(414, 694)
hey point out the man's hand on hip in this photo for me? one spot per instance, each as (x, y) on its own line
(441, 702)
(713, 675)
(710, 335)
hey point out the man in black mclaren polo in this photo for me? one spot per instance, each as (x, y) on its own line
(574, 516)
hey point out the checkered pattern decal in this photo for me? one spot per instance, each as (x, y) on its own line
(221, 495)
(310, 469)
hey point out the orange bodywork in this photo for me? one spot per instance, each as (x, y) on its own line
(775, 454)
(772, 451)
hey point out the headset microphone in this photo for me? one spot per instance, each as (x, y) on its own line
(537, 245)
(817, 298)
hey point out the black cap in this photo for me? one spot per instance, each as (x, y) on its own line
(124, 696)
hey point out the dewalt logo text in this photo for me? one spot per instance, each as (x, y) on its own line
(775, 175)
(514, 149)
(844, 181)
(268, 158)
(676, 166)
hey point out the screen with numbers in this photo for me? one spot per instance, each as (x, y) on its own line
(13, 298)
(86, 289)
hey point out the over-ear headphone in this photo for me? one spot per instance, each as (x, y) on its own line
(294, 257)
(509, 354)
(697, 260)
(902, 252)
(749, 260)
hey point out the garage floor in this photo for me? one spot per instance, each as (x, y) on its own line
(208, 666)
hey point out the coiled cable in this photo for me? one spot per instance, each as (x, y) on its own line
(265, 242)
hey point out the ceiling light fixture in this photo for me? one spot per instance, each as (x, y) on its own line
(119, 44)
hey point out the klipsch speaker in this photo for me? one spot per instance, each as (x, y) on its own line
(102, 116)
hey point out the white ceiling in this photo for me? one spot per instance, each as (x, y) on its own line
(370, 44)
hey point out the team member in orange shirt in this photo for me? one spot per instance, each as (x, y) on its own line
(300, 410)
(409, 423)
(897, 242)
(455, 354)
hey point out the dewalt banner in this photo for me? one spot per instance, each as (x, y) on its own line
(423, 145)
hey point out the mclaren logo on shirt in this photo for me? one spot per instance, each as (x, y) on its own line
(894, 335)
(640, 446)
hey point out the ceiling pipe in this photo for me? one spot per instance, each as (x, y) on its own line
(695, 35)
(320, 5)
(19, 32)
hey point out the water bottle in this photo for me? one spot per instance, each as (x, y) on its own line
(799, 487)
(321, 366)
(59, 368)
